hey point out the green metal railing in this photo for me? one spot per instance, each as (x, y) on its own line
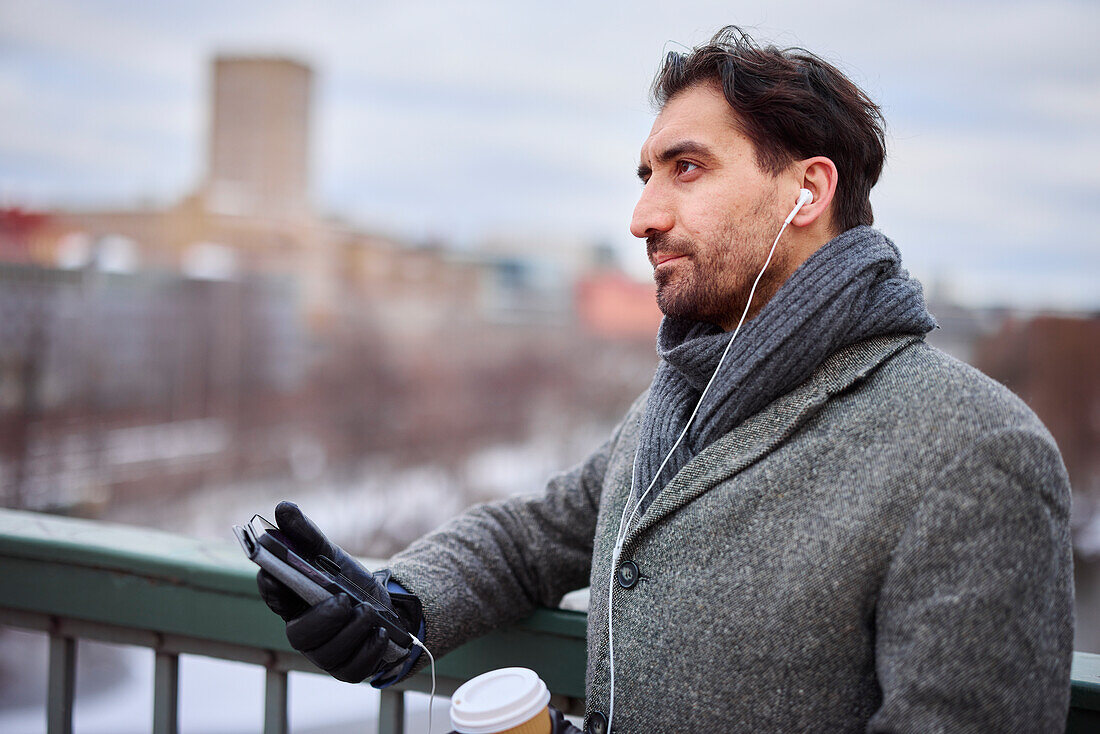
(78, 579)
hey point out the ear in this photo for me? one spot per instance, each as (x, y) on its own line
(819, 175)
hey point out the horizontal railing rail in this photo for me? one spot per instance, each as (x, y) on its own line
(80, 579)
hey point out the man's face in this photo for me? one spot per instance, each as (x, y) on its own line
(708, 213)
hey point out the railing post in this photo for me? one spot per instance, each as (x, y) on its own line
(62, 685)
(391, 712)
(166, 693)
(275, 702)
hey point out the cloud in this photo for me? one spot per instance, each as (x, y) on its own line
(111, 38)
(459, 119)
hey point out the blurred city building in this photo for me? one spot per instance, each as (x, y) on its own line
(258, 161)
(238, 334)
(613, 305)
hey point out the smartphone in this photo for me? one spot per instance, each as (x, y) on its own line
(313, 579)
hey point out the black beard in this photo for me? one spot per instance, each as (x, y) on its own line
(714, 287)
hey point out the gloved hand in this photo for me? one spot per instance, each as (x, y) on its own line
(560, 725)
(339, 635)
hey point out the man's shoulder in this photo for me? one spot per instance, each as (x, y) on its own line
(936, 376)
(924, 385)
(922, 412)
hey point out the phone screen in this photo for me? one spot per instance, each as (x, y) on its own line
(263, 528)
(282, 538)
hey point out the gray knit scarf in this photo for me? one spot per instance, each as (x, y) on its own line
(852, 288)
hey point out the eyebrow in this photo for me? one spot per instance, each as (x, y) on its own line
(673, 152)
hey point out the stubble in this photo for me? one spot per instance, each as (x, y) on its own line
(712, 283)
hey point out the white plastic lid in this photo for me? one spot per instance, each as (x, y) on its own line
(498, 700)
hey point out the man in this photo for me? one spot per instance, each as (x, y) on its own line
(812, 520)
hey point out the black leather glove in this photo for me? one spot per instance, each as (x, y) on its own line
(341, 636)
(560, 725)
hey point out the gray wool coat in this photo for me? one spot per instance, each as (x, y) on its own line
(885, 548)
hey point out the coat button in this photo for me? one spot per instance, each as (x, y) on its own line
(627, 574)
(596, 724)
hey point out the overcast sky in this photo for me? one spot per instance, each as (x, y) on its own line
(458, 121)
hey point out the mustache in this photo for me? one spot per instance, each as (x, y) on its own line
(664, 242)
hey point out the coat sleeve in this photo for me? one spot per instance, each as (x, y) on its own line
(493, 564)
(974, 622)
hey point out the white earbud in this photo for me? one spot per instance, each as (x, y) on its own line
(805, 196)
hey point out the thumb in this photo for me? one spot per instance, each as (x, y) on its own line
(301, 530)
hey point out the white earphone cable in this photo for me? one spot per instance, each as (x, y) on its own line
(624, 521)
(431, 696)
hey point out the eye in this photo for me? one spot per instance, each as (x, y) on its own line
(683, 167)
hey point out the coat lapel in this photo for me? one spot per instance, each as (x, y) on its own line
(763, 432)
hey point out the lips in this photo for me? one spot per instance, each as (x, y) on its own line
(661, 258)
(661, 248)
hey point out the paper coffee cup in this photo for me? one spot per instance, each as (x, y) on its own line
(504, 701)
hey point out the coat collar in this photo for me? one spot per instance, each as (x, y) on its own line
(767, 429)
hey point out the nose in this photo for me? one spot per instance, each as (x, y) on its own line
(652, 213)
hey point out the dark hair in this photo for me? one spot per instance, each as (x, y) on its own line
(792, 105)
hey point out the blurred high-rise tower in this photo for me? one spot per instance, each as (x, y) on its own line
(258, 161)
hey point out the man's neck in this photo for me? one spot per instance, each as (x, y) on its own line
(798, 243)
